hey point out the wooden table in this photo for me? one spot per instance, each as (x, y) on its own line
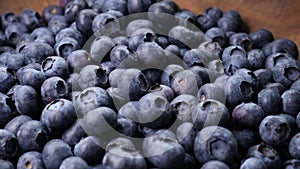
(281, 17)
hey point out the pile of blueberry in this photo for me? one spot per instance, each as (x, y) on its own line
(136, 84)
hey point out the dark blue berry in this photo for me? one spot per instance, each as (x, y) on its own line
(32, 136)
(32, 159)
(54, 152)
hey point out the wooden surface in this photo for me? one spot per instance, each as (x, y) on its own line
(281, 17)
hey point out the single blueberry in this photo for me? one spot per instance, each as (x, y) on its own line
(32, 159)
(32, 136)
(54, 88)
(54, 152)
(9, 144)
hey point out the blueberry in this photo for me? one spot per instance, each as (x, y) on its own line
(236, 62)
(131, 84)
(215, 143)
(210, 113)
(54, 152)
(194, 57)
(153, 75)
(241, 39)
(13, 31)
(218, 35)
(182, 106)
(98, 122)
(205, 22)
(53, 88)
(105, 22)
(215, 164)
(203, 72)
(31, 19)
(290, 100)
(185, 17)
(101, 47)
(173, 50)
(78, 59)
(248, 115)
(260, 37)
(121, 40)
(162, 90)
(186, 82)
(141, 35)
(84, 21)
(32, 159)
(117, 5)
(11, 61)
(9, 144)
(163, 150)
(185, 38)
(293, 163)
(232, 50)
(58, 115)
(264, 77)
(36, 52)
(245, 138)
(73, 8)
(229, 24)
(7, 79)
(294, 146)
(221, 80)
(70, 33)
(211, 91)
(32, 136)
(267, 154)
(157, 13)
(138, 6)
(169, 72)
(31, 77)
(129, 110)
(66, 46)
(14, 125)
(6, 164)
(119, 53)
(57, 23)
(291, 121)
(256, 59)
(73, 134)
(120, 155)
(155, 111)
(92, 98)
(253, 163)
(6, 114)
(296, 85)
(91, 76)
(275, 59)
(7, 18)
(215, 68)
(186, 134)
(214, 12)
(73, 163)
(27, 101)
(50, 11)
(238, 90)
(287, 72)
(42, 34)
(108, 67)
(281, 45)
(274, 130)
(269, 100)
(55, 66)
(128, 127)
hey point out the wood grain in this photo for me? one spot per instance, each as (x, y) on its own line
(281, 17)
